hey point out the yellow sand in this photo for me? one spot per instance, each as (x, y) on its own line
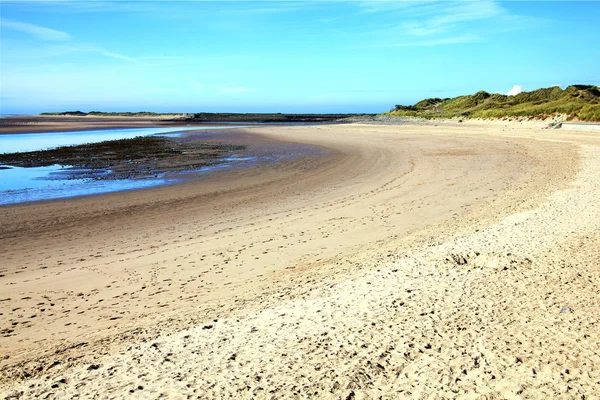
(414, 262)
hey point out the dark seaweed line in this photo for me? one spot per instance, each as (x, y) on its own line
(138, 157)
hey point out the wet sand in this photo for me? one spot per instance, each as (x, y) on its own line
(412, 261)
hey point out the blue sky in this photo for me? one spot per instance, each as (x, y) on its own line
(285, 56)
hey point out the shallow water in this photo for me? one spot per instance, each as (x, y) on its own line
(19, 185)
(45, 183)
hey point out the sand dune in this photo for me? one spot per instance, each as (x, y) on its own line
(415, 262)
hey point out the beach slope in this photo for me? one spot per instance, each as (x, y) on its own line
(409, 262)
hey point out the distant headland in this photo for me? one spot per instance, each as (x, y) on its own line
(217, 117)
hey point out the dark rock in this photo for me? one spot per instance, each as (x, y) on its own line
(459, 260)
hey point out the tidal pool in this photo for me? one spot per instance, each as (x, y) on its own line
(18, 185)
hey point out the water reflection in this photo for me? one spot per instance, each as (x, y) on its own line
(18, 185)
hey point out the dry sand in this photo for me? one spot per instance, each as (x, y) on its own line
(413, 262)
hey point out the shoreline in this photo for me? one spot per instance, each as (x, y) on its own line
(196, 148)
(315, 254)
(42, 124)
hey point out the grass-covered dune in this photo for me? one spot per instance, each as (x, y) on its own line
(577, 102)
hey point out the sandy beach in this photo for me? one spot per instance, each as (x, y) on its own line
(449, 261)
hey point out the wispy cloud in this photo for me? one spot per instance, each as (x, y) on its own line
(38, 32)
(52, 35)
(59, 50)
(234, 90)
(432, 42)
(107, 53)
(449, 16)
(436, 22)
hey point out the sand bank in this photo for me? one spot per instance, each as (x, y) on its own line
(412, 262)
(34, 124)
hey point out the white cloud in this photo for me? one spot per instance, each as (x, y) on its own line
(234, 90)
(107, 53)
(514, 91)
(36, 31)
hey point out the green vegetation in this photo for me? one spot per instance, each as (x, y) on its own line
(577, 102)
